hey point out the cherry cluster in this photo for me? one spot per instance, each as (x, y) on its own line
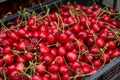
(70, 44)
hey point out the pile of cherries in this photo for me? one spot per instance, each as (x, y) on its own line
(70, 44)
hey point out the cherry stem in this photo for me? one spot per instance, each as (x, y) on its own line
(59, 76)
(79, 49)
(67, 64)
(27, 75)
(5, 26)
(37, 42)
(48, 10)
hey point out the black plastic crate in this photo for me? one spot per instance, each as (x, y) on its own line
(112, 70)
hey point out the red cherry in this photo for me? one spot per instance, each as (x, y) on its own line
(44, 49)
(94, 50)
(100, 42)
(106, 18)
(105, 58)
(88, 58)
(41, 68)
(93, 71)
(36, 77)
(54, 52)
(48, 59)
(7, 49)
(71, 56)
(31, 22)
(15, 36)
(65, 76)
(86, 69)
(21, 58)
(96, 27)
(111, 45)
(97, 63)
(61, 51)
(75, 28)
(59, 60)
(63, 38)
(8, 58)
(51, 39)
(15, 75)
(54, 76)
(20, 66)
(53, 68)
(29, 55)
(76, 65)
(63, 69)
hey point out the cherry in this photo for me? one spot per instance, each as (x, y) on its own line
(76, 65)
(71, 56)
(15, 75)
(54, 52)
(96, 6)
(65, 76)
(72, 36)
(106, 18)
(22, 45)
(111, 45)
(82, 35)
(88, 10)
(51, 39)
(75, 28)
(53, 68)
(105, 58)
(7, 49)
(33, 28)
(44, 50)
(53, 16)
(63, 69)
(97, 63)
(20, 66)
(100, 42)
(11, 67)
(90, 41)
(112, 10)
(21, 58)
(29, 56)
(94, 50)
(54, 76)
(86, 69)
(41, 68)
(59, 60)
(115, 53)
(83, 20)
(31, 22)
(43, 35)
(22, 32)
(70, 20)
(8, 58)
(96, 27)
(63, 38)
(7, 42)
(36, 77)
(4, 70)
(69, 45)
(48, 59)
(61, 50)
(88, 58)
(43, 28)
(94, 71)
(15, 36)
